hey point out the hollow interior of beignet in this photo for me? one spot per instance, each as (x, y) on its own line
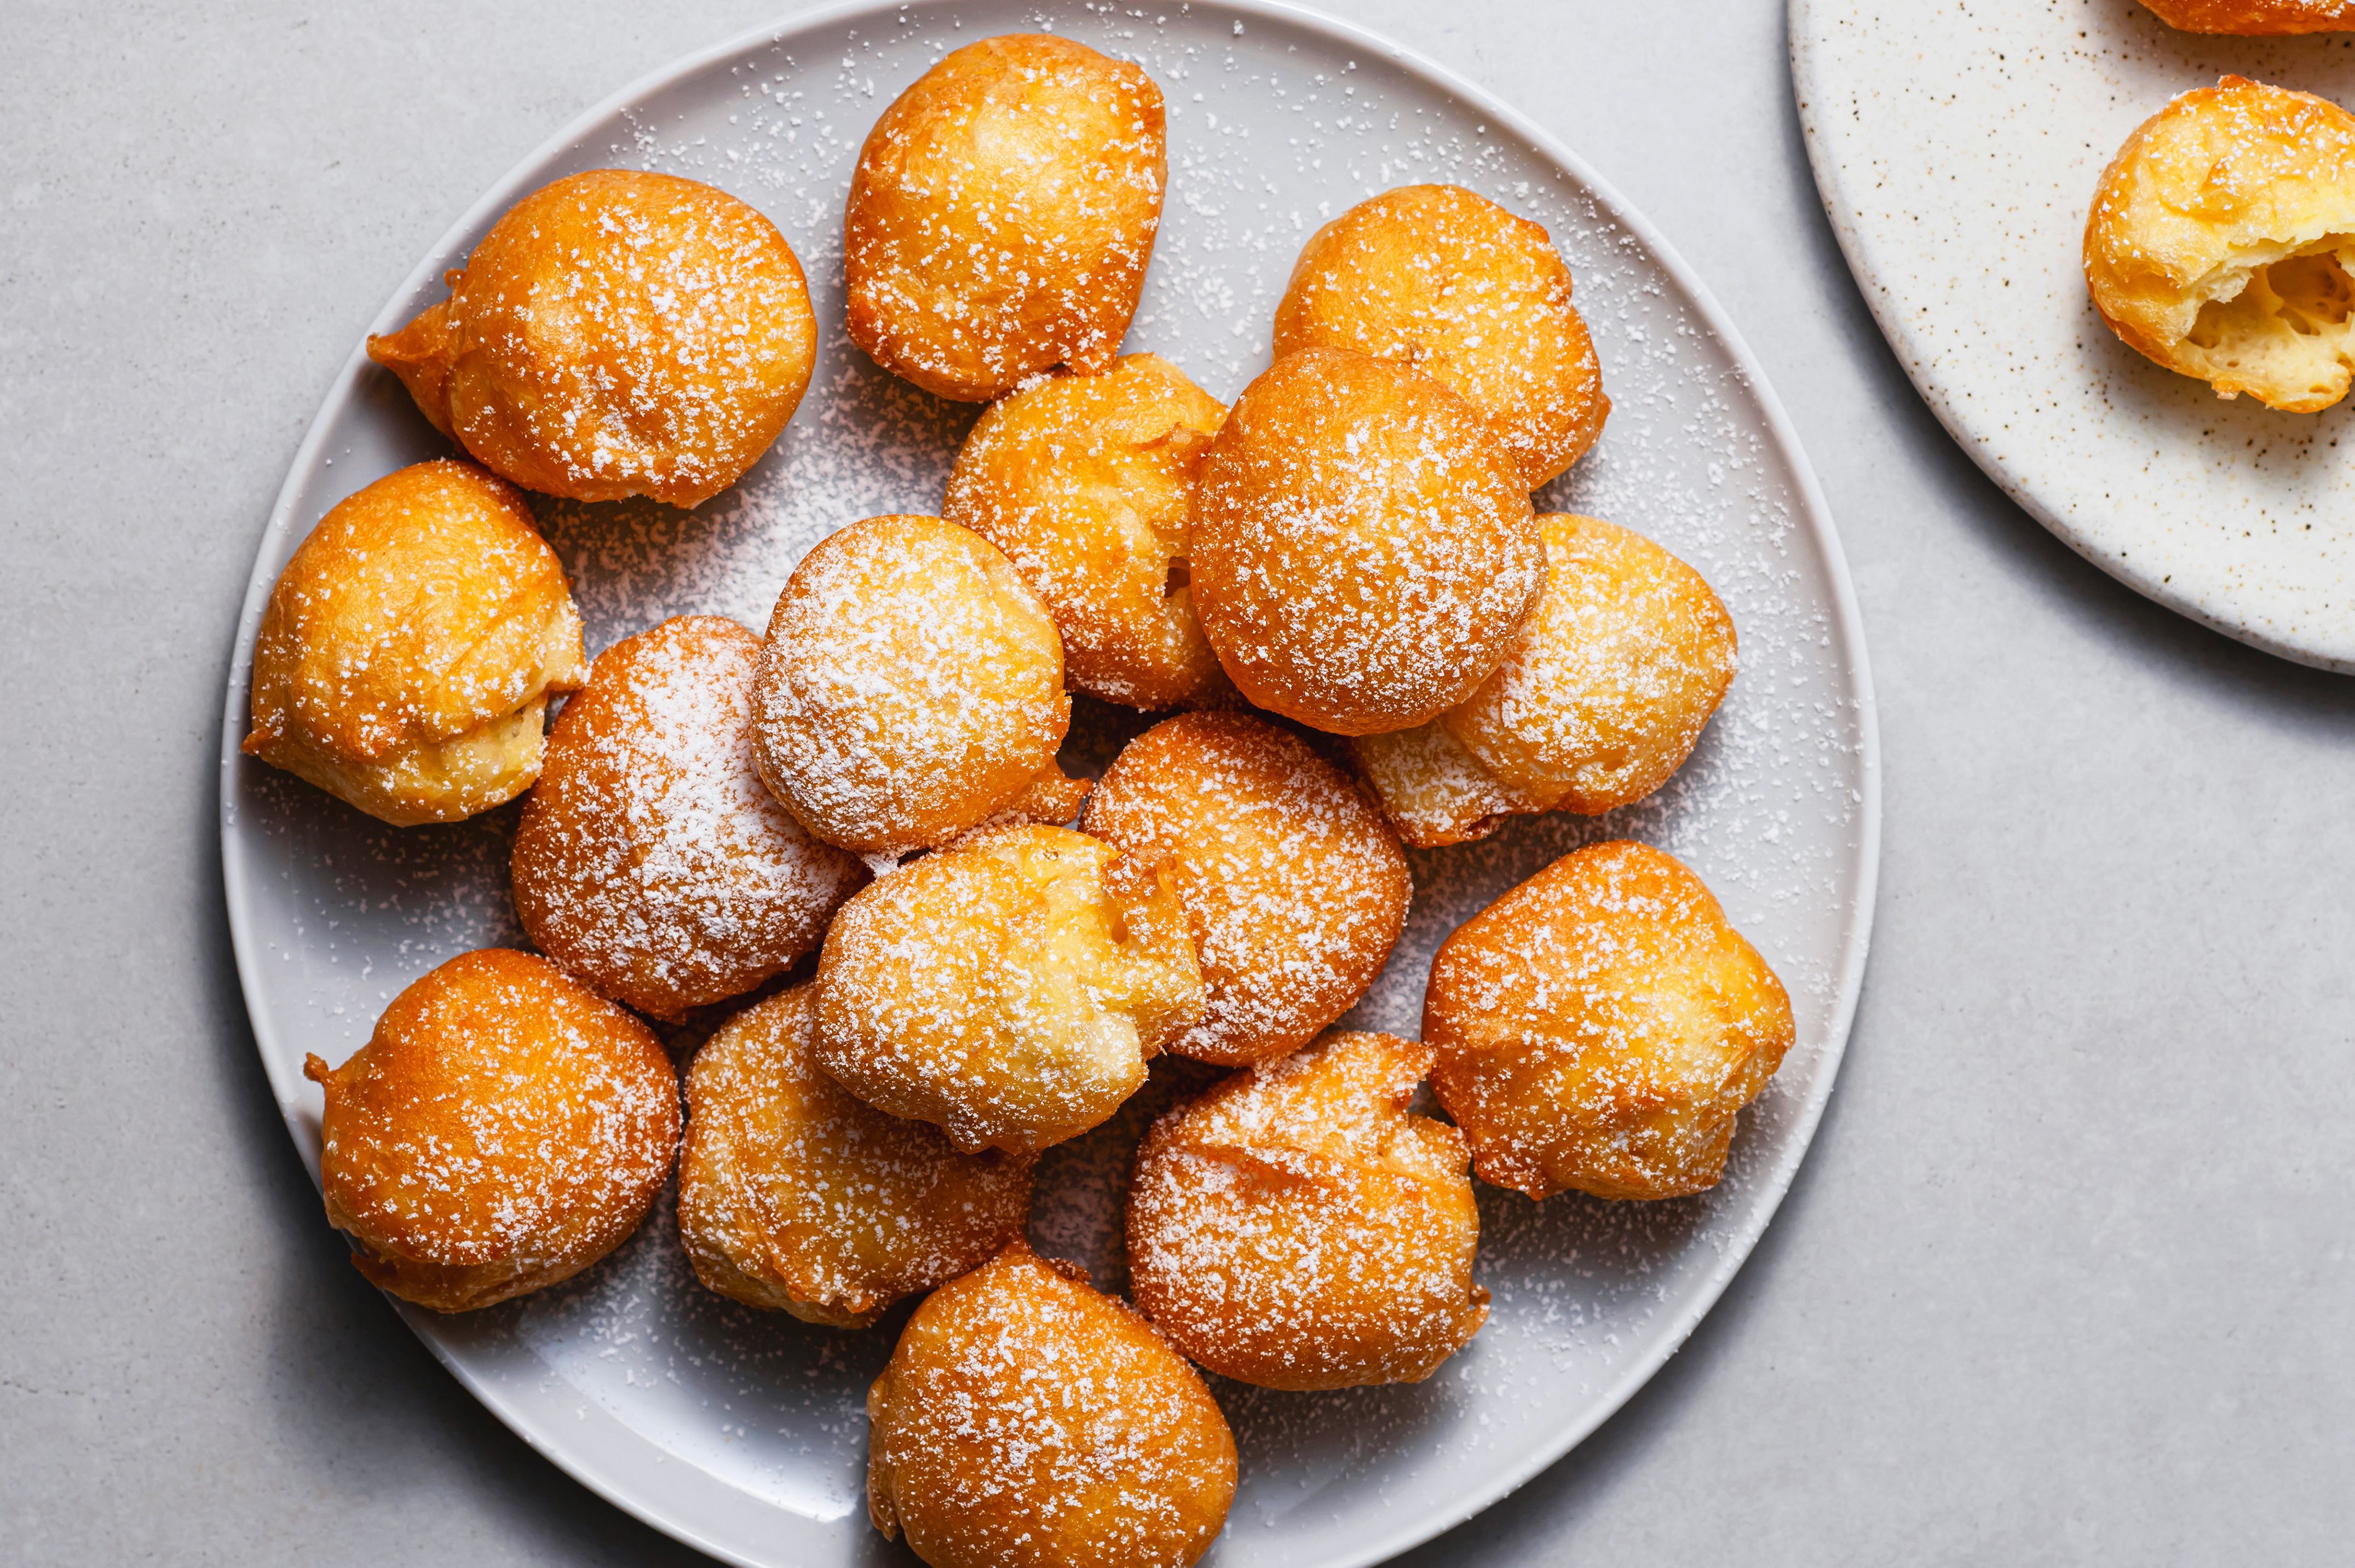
(2287, 332)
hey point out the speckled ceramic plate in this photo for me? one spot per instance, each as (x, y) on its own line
(744, 1432)
(1956, 145)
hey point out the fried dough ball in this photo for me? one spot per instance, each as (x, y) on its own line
(2256, 18)
(1363, 556)
(615, 334)
(1600, 1026)
(1008, 989)
(1454, 285)
(502, 1130)
(1026, 1421)
(650, 861)
(1001, 216)
(912, 689)
(2222, 240)
(1297, 1228)
(794, 1195)
(1603, 698)
(1086, 482)
(406, 657)
(1295, 887)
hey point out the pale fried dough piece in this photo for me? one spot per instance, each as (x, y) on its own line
(409, 647)
(2221, 243)
(1008, 989)
(912, 689)
(1604, 696)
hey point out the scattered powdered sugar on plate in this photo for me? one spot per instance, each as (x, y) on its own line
(1274, 128)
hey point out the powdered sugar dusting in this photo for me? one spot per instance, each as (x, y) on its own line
(1272, 131)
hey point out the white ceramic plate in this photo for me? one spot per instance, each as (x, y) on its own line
(744, 1432)
(1956, 144)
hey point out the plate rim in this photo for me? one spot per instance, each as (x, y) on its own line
(1911, 355)
(1772, 1185)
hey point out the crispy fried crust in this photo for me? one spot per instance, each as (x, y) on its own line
(1009, 989)
(1604, 696)
(502, 1130)
(617, 333)
(651, 861)
(1363, 556)
(910, 688)
(1087, 484)
(794, 1195)
(1026, 1421)
(1297, 1228)
(409, 647)
(1454, 285)
(1002, 214)
(1600, 1026)
(2256, 18)
(1295, 887)
(2221, 243)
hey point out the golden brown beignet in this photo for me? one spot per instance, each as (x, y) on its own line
(1363, 556)
(1008, 989)
(794, 1195)
(1026, 1421)
(1600, 1026)
(502, 1130)
(1603, 698)
(406, 657)
(2256, 18)
(1448, 282)
(1001, 216)
(1295, 887)
(2222, 240)
(912, 689)
(1297, 1228)
(1086, 482)
(615, 334)
(651, 862)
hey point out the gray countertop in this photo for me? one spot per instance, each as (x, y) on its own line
(2066, 1276)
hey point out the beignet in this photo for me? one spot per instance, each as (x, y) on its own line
(1026, 1421)
(2256, 18)
(1295, 887)
(617, 333)
(2221, 242)
(1600, 1026)
(1008, 989)
(1363, 556)
(1601, 699)
(1298, 1227)
(1436, 277)
(1087, 484)
(406, 657)
(911, 688)
(1001, 216)
(651, 862)
(794, 1195)
(502, 1130)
